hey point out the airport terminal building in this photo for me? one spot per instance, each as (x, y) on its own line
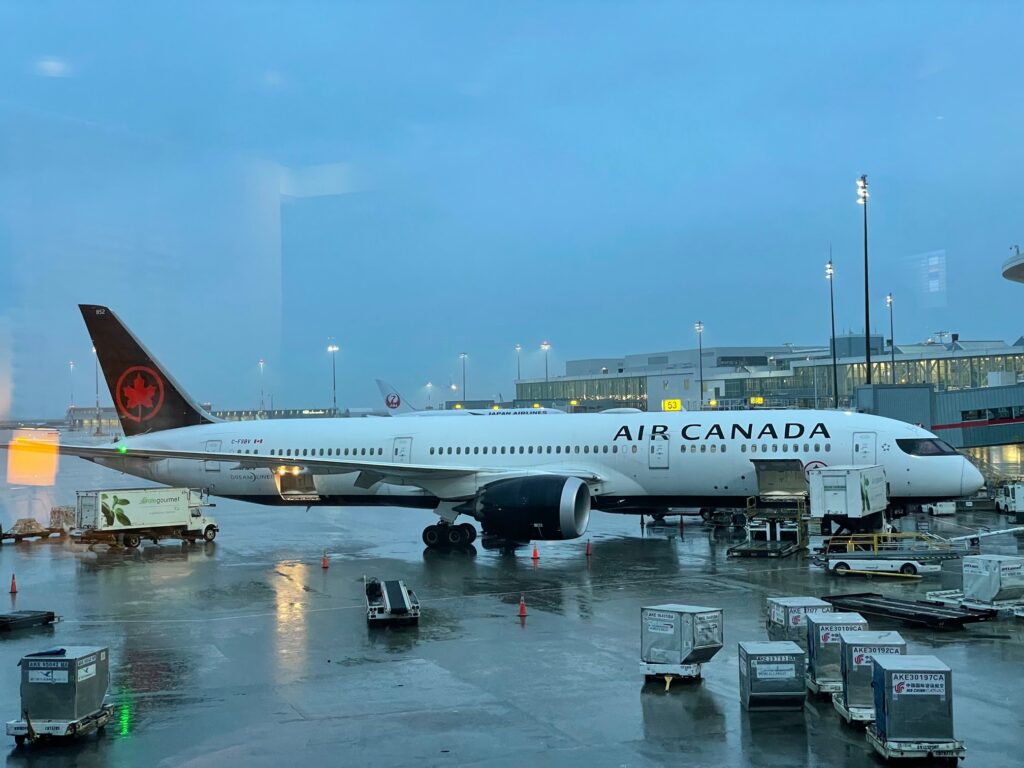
(787, 376)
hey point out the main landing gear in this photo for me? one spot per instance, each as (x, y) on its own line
(446, 535)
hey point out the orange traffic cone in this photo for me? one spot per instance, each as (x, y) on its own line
(589, 553)
(535, 555)
(522, 606)
(323, 562)
(14, 585)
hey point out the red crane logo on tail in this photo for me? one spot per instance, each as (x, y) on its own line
(140, 393)
(392, 401)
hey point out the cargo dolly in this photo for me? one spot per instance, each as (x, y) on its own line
(910, 611)
(852, 715)
(390, 602)
(948, 751)
(10, 622)
(27, 729)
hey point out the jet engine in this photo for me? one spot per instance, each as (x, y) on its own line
(537, 507)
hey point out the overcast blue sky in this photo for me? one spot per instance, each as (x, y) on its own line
(245, 180)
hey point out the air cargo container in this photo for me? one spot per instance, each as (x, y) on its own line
(772, 675)
(823, 629)
(856, 702)
(676, 639)
(787, 617)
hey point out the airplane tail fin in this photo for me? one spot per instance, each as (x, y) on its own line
(394, 402)
(147, 398)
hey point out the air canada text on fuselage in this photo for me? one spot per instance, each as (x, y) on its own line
(791, 430)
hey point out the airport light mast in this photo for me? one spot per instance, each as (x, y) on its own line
(832, 308)
(862, 199)
(333, 348)
(699, 328)
(261, 363)
(545, 346)
(71, 365)
(462, 357)
(519, 369)
(96, 376)
(892, 339)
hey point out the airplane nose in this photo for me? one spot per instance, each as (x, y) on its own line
(971, 479)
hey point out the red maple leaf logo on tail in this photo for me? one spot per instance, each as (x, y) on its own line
(139, 394)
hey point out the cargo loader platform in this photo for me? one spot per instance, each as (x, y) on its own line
(911, 611)
(390, 602)
(955, 598)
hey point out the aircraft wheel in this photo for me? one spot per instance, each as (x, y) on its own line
(431, 536)
(470, 531)
(456, 536)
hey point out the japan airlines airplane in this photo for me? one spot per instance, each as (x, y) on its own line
(521, 478)
(398, 406)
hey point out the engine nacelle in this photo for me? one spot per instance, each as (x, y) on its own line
(538, 507)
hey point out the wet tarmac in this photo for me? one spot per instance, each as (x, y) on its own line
(246, 652)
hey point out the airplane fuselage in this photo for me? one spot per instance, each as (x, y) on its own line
(641, 459)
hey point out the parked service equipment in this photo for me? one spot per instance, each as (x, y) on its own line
(929, 614)
(856, 701)
(676, 639)
(390, 602)
(938, 508)
(772, 675)
(823, 630)
(10, 622)
(909, 554)
(62, 692)
(993, 578)
(847, 491)
(128, 516)
(787, 617)
(913, 708)
(1010, 498)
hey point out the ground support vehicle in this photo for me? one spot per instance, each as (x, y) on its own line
(128, 516)
(390, 602)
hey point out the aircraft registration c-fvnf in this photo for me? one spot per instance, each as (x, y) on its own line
(521, 478)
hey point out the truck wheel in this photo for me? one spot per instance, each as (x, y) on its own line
(19, 741)
(908, 569)
(209, 533)
(841, 569)
(132, 540)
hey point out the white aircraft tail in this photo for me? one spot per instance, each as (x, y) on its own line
(393, 401)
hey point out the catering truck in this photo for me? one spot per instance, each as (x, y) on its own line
(128, 515)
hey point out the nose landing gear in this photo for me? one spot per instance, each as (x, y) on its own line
(446, 535)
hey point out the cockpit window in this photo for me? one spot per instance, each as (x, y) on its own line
(927, 447)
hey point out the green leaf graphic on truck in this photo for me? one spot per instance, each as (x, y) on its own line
(114, 510)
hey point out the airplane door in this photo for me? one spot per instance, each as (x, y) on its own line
(402, 453)
(863, 447)
(212, 446)
(657, 456)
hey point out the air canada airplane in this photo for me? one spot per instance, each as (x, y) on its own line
(398, 406)
(520, 478)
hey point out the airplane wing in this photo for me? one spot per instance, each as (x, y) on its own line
(414, 474)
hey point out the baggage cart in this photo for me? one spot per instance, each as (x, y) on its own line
(390, 602)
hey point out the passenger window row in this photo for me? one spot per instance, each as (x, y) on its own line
(325, 452)
(510, 450)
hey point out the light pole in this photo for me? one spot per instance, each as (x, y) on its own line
(96, 375)
(832, 308)
(545, 346)
(519, 369)
(862, 199)
(699, 328)
(261, 385)
(332, 348)
(71, 365)
(462, 357)
(892, 339)
(430, 393)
